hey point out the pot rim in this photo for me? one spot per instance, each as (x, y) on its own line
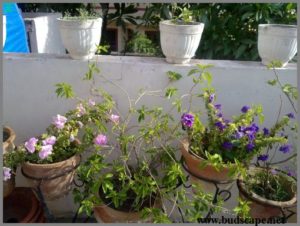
(77, 19)
(261, 200)
(11, 132)
(170, 23)
(52, 164)
(283, 26)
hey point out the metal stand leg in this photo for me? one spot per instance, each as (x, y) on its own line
(49, 216)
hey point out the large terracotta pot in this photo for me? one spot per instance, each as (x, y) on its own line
(8, 186)
(179, 42)
(21, 206)
(206, 176)
(8, 139)
(104, 213)
(57, 187)
(264, 208)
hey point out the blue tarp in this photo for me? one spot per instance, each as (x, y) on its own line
(16, 38)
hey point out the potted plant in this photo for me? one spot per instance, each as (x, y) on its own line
(277, 42)
(132, 169)
(220, 150)
(50, 160)
(180, 37)
(80, 35)
(269, 190)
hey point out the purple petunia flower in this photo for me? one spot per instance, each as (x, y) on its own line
(45, 151)
(245, 109)
(266, 131)
(263, 157)
(227, 145)
(92, 102)
(59, 121)
(250, 147)
(285, 148)
(187, 120)
(291, 115)
(238, 135)
(211, 98)
(100, 140)
(30, 144)
(220, 115)
(115, 118)
(50, 140)
(6, 173)
(218, 106)
(220, 125)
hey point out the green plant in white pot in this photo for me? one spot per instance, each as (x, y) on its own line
(81, 35)
(180, 37)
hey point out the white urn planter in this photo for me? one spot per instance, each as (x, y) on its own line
(4, 29)
(277, 42)
(80, 36)
(179, 42)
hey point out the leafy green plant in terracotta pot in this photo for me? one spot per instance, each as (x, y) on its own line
(54, 155)
(272, 191)
(222, 148)
(132, 172)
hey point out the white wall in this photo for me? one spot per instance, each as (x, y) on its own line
(29, 100)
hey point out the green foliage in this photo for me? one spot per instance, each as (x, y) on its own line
(141, 44)
(64, 90)
(243, 209)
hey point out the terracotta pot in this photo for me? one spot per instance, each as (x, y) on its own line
(106, 214)
(9, 142)
(22, 206)
(8, 186)
(264, 208)
(209, 174)
(56, 187)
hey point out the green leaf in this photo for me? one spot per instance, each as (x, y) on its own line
(64, 90)
(193, 71)
(170, 92)
(204, 66)
(240, 51)
(272, 82)
(174, 76)
(207, 76)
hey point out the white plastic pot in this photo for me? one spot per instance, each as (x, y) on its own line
(80, 37)
(179, 42)
(277, 42)
(4, 29)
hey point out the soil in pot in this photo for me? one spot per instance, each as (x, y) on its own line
(5, 136)
(22, 206)
(261, 206)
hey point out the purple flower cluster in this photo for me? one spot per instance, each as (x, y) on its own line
(291, 115)
(187, 120)
(100, 140)
(266, 131)
(227, 145)
(211, 98)
(263, 157)
(59, 121)
(250, 132)
(30, 144)
(285, 148)
(245, 109)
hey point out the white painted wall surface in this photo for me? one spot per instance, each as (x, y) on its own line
(29, 100)
(44, 35)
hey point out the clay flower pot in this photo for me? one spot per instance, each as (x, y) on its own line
(209, 173)
(21, 206)
(104, 213)
(9, 186)
(8, 139)
(57, 185)
(264, 208)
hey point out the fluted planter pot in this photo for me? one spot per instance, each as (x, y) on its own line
(4, 29)
(261, 207)
(106, 214)
(9, 186)
(22, 206)
(179, 42)
(277, 42)
(57, 177)
(80, 37)
(209, 174)
(8, 139)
